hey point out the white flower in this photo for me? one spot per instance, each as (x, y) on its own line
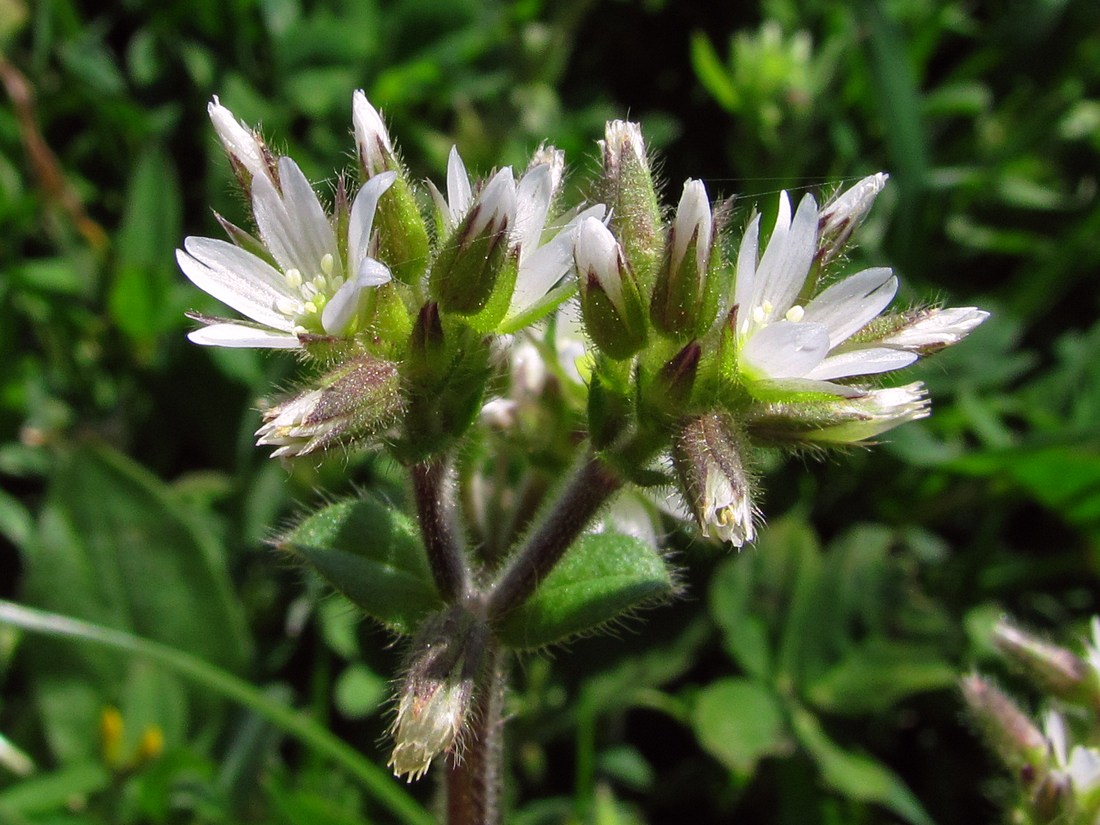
(544, 247)
(728, 511)
(782, 339)
(305, 286)
(1079, 765)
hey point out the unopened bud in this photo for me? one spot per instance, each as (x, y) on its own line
(247, 153)
(610, 301)
(402, 234)
(1010, 734)
(466, 271)
(685, 298)
(707, 457)
(354, 402)
(668, 394)
(437, 695)
(838, 420)
(1053, 669)
(926, 331)
(628, 190)
(841, 215)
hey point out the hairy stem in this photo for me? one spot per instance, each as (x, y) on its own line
(435, 508)
(584, 495)
(474, 773)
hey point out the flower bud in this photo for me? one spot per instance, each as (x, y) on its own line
(707, 457)
(1010, 734)
(402, 234)
(840, 216)
(466, 271)
(839, 420)
(437, 695)
(247, 153)
(355, 402)
(610, 302)
(926, 331)
(1054, 669)
(628, 189)
(685, 298)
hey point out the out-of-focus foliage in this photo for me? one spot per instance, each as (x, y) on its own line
(806, 679)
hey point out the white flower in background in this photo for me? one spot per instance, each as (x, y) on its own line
(1079, 765)
(544, 246)
(783, 339)
(303, 285)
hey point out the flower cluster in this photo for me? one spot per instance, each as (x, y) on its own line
(1056, 763)
(689, 351)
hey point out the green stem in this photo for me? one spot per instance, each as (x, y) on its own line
(474, 773)
(435, 508)
(584, 496)
(376, 780)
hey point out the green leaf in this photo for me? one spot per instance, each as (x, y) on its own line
(52, 791)
(145, 279)
(878, 673)
(372, 554)
(599, 578)
(359, 691)
(712, 73)
(855, 775)
(738, 722)
(756, 595)
(114, 546)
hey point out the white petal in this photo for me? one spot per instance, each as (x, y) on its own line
(745, 279)
(237, 335)
(533, 194)
(362, 218)
(236, 278)
(459, 194)
(341, 308)
(293, 225)
(596, 252)
(786, 350)
(545, 266)
(786, 261)
(496, 202)
(693, 213)
(849, 305)
(868, 361)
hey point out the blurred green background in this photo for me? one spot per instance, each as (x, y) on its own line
(809, 679)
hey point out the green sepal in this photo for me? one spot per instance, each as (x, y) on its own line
(497, 306)
(610, 403)
(372, 554)
(402, 233)
(465, 272)
(601, 577)
(446, 373)
(618, 334)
